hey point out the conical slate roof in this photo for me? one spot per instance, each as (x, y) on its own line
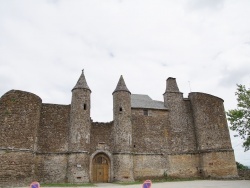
(81, 83)
(121, 86)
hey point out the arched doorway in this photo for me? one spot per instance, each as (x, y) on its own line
(101, 168)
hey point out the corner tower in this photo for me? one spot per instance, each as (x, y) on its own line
(79, 138)
(122, 133)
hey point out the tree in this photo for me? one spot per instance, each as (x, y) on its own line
(241, 166)
(239, 118)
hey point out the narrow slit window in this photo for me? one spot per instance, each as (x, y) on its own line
(120, 109)
(85, 106)
(145, 112)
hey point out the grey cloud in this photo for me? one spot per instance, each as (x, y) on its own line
(233, 77)
(205, 4)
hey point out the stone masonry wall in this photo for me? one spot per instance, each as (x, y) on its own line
(54, 128)
(51, 159)
(19, 119)
(149, 132)
(210, 122)
(148, 166)
(122, 129)
(184, 166)
(16, 168)
(51, 168)
(181, 134)
(101, 138)
(219, 164)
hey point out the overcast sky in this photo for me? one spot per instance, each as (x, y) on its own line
(204, 44)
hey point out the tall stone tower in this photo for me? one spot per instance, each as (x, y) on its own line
(122, 132)
(79, 138)
(180, 119)
(213, 139)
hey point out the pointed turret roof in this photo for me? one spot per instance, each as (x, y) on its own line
(121, 86)
(81, 83)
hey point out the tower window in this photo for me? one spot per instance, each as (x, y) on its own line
(120, 109)
(145, 112)
(85, 106)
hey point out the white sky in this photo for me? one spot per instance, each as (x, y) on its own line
(204, 44)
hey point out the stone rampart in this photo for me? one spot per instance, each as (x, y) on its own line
(19, 119)
(54, 128)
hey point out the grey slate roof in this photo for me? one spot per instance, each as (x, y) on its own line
(144, 101)
(81, 83)
(121, 86)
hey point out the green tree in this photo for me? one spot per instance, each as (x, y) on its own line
(241, 166)
(239, 118)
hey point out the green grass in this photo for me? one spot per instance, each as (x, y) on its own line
(67, 185)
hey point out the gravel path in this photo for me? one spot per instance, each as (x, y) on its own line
(183, 184)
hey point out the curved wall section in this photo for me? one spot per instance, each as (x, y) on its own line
(210, 122)
(19, 119)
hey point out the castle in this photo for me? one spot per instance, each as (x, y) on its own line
(179, 137)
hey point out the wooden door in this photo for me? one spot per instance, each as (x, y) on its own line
(100, 168)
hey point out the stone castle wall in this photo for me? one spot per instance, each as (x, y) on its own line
(19, 121)
(54, 128)
(101, 136)
(210, 122)
(149, 132)
(56, 143)
(52, 147)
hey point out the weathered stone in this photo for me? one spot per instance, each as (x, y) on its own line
(178, 137)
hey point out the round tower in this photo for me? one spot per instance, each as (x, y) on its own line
(122, 133)
(79, 138)
(213, 138)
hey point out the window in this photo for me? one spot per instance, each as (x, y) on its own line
(120, 109)
(145, 112)
(85, 106)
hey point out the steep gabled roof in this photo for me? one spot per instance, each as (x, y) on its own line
(144, 101)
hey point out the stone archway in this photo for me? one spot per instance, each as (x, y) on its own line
(101, 165)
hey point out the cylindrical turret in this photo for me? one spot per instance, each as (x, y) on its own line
(80, 116)
(79, 138)
(122, 117)
(122, 133)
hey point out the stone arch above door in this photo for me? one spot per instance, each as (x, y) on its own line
(101, 166)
